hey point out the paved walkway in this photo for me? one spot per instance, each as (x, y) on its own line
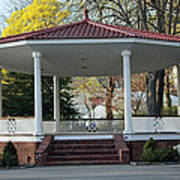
(114, 172)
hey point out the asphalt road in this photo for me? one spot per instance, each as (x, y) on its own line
(112, 172)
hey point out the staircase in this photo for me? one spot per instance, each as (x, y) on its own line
(81, 152)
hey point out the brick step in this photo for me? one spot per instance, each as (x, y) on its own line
(84, 157)
(92, 162)
(81, 146)
(83, 151)
(106, 141)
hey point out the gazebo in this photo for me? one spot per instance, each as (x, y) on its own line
(87, 48)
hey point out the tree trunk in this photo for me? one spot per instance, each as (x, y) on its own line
(87, 107)
(167, 92)
(151, 79)
(109, 97)
(160, 92)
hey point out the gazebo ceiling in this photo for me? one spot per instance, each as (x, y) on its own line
(88, 48)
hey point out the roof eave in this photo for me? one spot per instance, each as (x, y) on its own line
(88, 41)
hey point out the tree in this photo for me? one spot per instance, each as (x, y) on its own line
(10, 156)
(88, 87)
(161, 16)
(18, 88)
(38, 15)
(10, 6)
(107, 11)
(97, 88)
(18, 96)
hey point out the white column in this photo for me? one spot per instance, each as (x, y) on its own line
(56, 103)
(178, 87)
(127, 92)
(37, 93)
(0, 93)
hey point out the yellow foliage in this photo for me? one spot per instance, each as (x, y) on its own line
(39, 15)
(88, 86)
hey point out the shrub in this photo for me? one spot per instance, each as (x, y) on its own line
(167, 155)
(150, 144)
(10, 157)
(149, 150)
(152, 154)
(148, 155)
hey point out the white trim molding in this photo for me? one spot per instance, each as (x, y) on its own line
(89, 41)
(157, 136)
(102, 41)
(20, 138)
(83, 137)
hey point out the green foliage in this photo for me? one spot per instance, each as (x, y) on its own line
(18, 96)
(10, 157)
(67, 109)
(149, 151)
(150, 144)
(167, 155)
(152, 154)
(149, 155)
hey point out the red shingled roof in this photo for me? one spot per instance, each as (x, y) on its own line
(87, 29)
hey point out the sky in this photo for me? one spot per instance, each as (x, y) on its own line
(1, 5)
(2, 11)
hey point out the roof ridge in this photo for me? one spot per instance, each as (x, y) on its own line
(56, 28)
(150, 32)
(135, 31)
(117, 30)
(42, 31)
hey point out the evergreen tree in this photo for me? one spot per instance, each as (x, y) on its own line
(18, 96)
(10, 156)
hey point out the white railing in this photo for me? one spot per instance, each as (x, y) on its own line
(152, 124)
(16, 125)
(68, 126)
(49, 127)
(23, 126)
(140, 125)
